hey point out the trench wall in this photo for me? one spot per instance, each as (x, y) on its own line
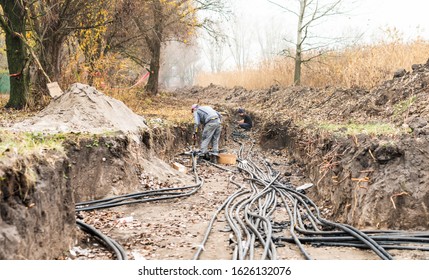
(36, 208)
(38, 193)
(363, 181)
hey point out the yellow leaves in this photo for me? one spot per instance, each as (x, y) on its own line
(123, 65)
(92, 39)
(171, 3)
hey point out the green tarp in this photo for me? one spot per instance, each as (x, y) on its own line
(4, 83)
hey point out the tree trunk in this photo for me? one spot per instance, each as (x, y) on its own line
(297, 73)
(153, 81)
(14, 22)
(154, 43)
(299, 41)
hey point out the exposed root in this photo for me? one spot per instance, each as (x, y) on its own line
(395, 195)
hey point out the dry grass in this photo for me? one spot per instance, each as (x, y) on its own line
(3, 99)
(163, 106)
(373, 129)
(361, 66)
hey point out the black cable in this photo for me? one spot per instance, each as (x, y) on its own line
(250, 216)
(111, 244)
(164, 194)
(364, 246)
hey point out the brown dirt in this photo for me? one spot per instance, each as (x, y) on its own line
(35, 213)
(360, 174)
(366, 180)
(173, 230)
(83, 109)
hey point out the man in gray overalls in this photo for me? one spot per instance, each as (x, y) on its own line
(211, 121)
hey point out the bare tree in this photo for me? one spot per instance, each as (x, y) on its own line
(214, 50)
(270, 39)
(162, 21)
(309, 13)
(180, 63)
(239, 41)
(52, 23)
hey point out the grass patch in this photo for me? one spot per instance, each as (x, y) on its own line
(37, 143)
(403, 106)
(26, 143)
(374, 129)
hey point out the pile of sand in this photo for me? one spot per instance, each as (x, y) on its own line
(84, 109)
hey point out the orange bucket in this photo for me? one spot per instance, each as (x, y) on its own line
(227, 158)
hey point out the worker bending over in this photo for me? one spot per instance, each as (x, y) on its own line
(210, 119)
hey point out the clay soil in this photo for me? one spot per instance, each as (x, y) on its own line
(365, 179)
(173, 230)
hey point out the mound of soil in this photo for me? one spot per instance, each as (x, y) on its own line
(403, 99)
(83, 108)
(365, 179)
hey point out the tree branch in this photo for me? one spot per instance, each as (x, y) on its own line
(284, 8)
(30, 49)
(4, 25)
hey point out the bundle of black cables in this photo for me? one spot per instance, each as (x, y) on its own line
(255, 219)
(139, 197)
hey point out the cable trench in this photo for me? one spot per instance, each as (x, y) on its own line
(263, 214)
(256, 232)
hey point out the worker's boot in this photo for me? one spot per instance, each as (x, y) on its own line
(206, 156)
(213, 159)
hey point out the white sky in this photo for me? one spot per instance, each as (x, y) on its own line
(410, 17)
(367, 17)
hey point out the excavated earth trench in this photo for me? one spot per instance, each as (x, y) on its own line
(366, 181)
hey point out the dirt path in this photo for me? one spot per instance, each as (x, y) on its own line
(173, 229)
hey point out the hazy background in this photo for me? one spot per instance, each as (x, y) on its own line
(363, 21)
(252, 43)
(258, 31)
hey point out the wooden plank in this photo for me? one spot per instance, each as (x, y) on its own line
(179, 167)
(54, 89)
